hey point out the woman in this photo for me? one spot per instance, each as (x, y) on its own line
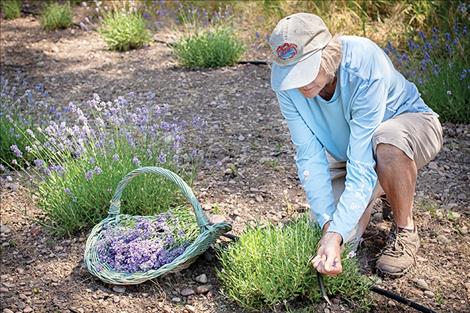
(360, 130)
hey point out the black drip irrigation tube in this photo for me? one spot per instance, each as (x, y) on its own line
(377, 290)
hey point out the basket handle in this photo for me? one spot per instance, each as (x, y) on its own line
(115, 206)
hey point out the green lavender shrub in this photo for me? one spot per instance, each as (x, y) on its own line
(216, 47)
(270, 265)
(56, 16)
(124, 31)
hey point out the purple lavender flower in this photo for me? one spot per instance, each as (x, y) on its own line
(89, 175)
(92, 160)
(68, 191)
(30, 132)
(463, 74)
(116, 157)
(162, 157)
(16, 151)
(136, 161)
(98, 170)
(39, 163)
(58, 169)
(2, 168)
(447, 37)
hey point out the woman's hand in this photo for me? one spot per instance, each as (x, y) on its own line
(328, 258)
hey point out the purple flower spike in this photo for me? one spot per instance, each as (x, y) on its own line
(98, 170)
(162, 157)
(89, 175)
(136, 161)
(16, 151)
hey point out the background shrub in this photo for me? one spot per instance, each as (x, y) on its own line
(15, 120)
(56, 16)
(124, 31)
(270, 265)
(11, 9)
(209, 48)
(438, 63)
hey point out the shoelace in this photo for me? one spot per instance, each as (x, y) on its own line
(397, 246)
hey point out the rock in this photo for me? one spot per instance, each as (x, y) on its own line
(3, 290)
(7, 311)
(116, 299)
(119, 289)
(443, 239)
(4, 229)
(203, 289)
(215, 218)
(190, 308)
(176, 299)
(28, 309)
(187, 292)
(464, 230)
(461, 196)
(391, 303)
(429, 294)
(421, 284)
(259, 198)
(433, 165)
(326, 310)
(201, 279)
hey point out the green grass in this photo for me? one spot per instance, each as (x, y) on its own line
(125, 31)
(11, 9)
(56, 16)
(270, 265)
(210, 48)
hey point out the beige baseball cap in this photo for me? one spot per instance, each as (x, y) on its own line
(296, 43)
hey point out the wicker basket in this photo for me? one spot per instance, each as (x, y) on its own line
(208, 235)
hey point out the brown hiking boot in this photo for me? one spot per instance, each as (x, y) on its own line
(399, 254)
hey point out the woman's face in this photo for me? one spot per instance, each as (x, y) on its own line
(313, 89)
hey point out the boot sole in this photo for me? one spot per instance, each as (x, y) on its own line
(393, 275)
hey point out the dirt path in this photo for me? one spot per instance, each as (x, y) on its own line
(42, 274)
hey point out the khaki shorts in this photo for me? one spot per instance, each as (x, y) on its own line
(418, 135)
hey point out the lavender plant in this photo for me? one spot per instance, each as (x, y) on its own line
(209, 48)
(439, 64)
(270, 265)
(56, 16)
(77, 166)
(13, 124)
(11, 9)
(124, 31)
(141, 244)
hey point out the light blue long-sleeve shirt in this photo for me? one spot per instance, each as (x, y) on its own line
(369, 90)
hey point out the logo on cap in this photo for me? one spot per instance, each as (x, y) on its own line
(286, 51)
